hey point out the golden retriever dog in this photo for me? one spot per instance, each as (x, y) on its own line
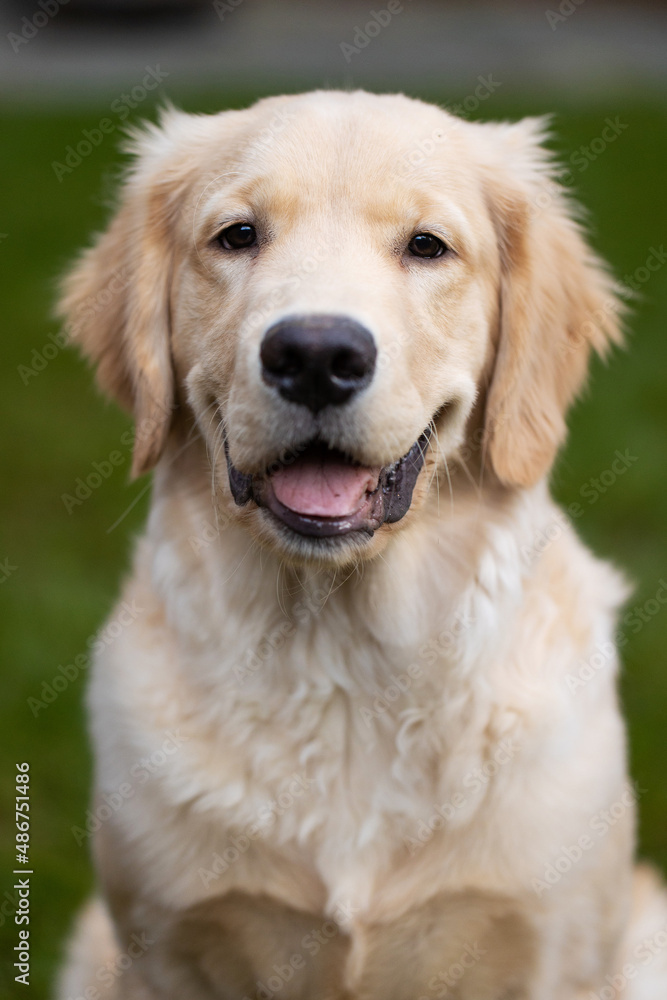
(360, 737)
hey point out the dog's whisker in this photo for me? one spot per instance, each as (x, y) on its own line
(251, 547)
(218, 441)
(332, 577)
(218, 448)
(434, 474)
(446, 464)
(449, 482)
(436, 470)
(284, 590)
(468, 474)
(212, 459)
(342, 582)
(298, 581)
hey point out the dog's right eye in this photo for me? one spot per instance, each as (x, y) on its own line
(426, 245)
(238, 237)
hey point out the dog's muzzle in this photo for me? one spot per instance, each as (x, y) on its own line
(321, 492)
(322, 361)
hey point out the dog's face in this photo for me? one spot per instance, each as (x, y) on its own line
(342, 289)
(332, 312)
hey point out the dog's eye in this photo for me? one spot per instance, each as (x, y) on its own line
(238, 237)
(426, 245)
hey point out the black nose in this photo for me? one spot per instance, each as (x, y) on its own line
(318, 360)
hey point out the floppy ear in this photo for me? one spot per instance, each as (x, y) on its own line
(116, 299)
(557, 302)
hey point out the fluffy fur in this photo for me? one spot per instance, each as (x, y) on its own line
(357, 768)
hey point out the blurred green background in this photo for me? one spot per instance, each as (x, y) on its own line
(61, 569)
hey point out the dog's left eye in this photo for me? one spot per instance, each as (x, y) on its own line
(238, 237)
(426, 245)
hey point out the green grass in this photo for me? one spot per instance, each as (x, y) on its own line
(68, 565)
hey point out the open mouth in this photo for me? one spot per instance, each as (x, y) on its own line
(322, 492)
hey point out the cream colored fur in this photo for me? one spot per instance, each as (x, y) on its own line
(375, 746)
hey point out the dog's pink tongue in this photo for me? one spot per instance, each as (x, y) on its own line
(322, 486)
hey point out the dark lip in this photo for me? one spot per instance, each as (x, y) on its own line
(388, 503)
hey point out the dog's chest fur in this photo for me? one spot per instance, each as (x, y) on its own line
(358, 750)
(329, 731)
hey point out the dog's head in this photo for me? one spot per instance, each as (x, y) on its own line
(344, 290)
